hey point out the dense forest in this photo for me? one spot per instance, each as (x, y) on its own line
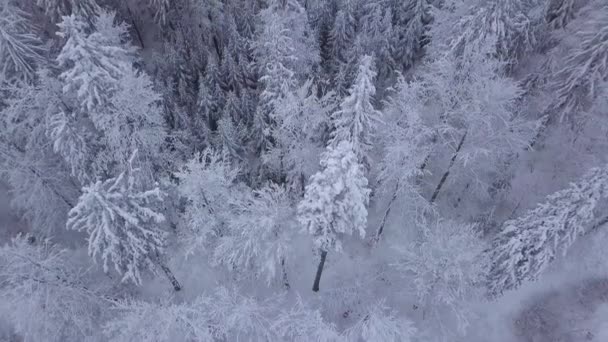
(304, 170)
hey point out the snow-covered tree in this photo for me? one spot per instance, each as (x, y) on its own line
(300, 323)
(260, 226)
(342, 34)
(300, 133)
(376, 33)
(407, 137)
(206, 182)
(70, 142)
(93, 63)
(446, 267)
(528, 244)
(133, 120)
(335, 201)
(21, 50)
(411, 21)
(123, 224)
(246, 230)
(475, 114)
(41, 187)
(407, 142)
(381, 324)
(510, 24)
(224, 314)
(357, 118)
(275, 48)
(42, 280)
(576, 82)
(286, 53)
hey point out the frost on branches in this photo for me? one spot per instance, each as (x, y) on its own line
(21, 51)
(206, 182)
(511, 24)
(260, 225)
(245, 230)
(583, 70)
(446, 268)
(122, 223)
(224, 314)
(526, 245)
(380, 323)
(44, 294)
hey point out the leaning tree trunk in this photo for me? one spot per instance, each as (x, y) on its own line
(376, 238)
(163, 266)
(380, 229)
(447, 172)
(315, 286)
(135, 27)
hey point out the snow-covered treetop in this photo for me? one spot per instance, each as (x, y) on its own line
(357, 118)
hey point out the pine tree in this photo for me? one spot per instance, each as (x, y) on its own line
(357, 118)
(584, 68)
(70, 142)
(93, 63)
(122, 223)
(335, 201)
(528, 244)
(343, 32)
(21, 51)
(410, 21)
(510, 24)
(41, 187)
(300, 134)
(275, 49)
(133, 120)
(376, 33)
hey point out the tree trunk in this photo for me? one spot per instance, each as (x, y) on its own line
(141, 41)
(285, 278)
(385, 216)
(390, 204)
(315, 286)
(447, 172)
(176, 285)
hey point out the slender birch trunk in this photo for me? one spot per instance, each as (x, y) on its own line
(447, 172)
(315, 286)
